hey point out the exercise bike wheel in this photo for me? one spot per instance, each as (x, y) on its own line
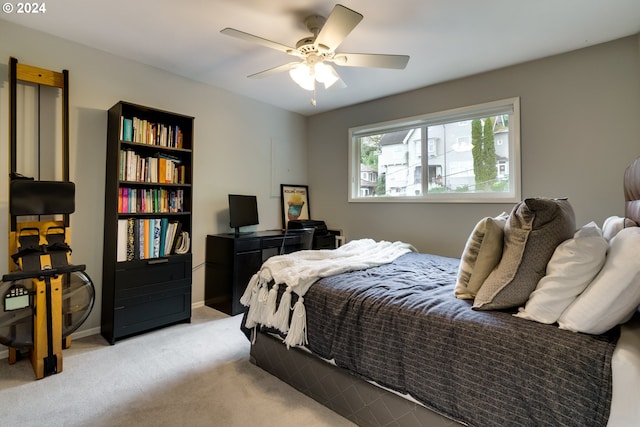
(78, 297)
(16, 325)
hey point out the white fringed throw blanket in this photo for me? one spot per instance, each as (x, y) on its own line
(298, 271)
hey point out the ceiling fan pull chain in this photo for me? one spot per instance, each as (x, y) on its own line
(313, 98)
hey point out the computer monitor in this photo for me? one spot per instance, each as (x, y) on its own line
(243, 211)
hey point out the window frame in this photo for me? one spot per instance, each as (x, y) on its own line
(509, 106)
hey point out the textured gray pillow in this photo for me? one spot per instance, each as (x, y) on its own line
(481, 254)
(534, 229)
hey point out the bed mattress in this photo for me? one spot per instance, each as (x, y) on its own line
(400, 326)
(366, 403)
(625, 410)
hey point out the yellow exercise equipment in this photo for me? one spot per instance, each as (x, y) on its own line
(45, 297)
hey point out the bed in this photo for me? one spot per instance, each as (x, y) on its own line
(402, 343)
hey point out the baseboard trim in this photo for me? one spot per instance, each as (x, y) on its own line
(4, 354)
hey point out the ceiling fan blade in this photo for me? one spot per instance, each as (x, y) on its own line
(339, 24)
(398, 62)
(259, 40)
(339, 84)
(274, 70)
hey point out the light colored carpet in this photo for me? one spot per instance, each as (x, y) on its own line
(195, 374)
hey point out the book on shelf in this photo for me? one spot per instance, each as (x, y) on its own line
(164, 225)
(122, 240)
(173, 237)
(139, 239)
(126, 240)
(122, 165)
(183, 244)
(155, 246)
(131, 250)
(157, 168)
(142, 131)
(150, 200)
(145, 238)
(126, 125)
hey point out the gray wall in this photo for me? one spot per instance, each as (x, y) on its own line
(580, 128)
(235, 138)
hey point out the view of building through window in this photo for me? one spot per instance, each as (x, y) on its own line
(471, 156)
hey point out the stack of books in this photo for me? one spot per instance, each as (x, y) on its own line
(157, 168)
(143, 238)
(143, 131)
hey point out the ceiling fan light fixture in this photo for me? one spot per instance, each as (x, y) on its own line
(303, 75)
(317, 50)
(340, 59)
(326, 74)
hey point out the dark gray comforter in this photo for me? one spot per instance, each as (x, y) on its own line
(400, 325)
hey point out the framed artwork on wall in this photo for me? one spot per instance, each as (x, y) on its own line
(295, 203)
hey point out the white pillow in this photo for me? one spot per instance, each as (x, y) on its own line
(614, 294)
(571, 268)
(612, 225)
(481, 254)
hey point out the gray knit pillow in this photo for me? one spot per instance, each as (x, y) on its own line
(481, 254)
(534, 229)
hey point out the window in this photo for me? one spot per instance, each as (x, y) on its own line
(472, 154)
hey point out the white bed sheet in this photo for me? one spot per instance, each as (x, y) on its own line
(625, 366)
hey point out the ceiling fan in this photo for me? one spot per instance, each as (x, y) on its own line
(317, 51)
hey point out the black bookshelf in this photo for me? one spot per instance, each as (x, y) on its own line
(147, 261)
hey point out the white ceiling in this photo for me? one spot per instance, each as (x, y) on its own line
(446, 39)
